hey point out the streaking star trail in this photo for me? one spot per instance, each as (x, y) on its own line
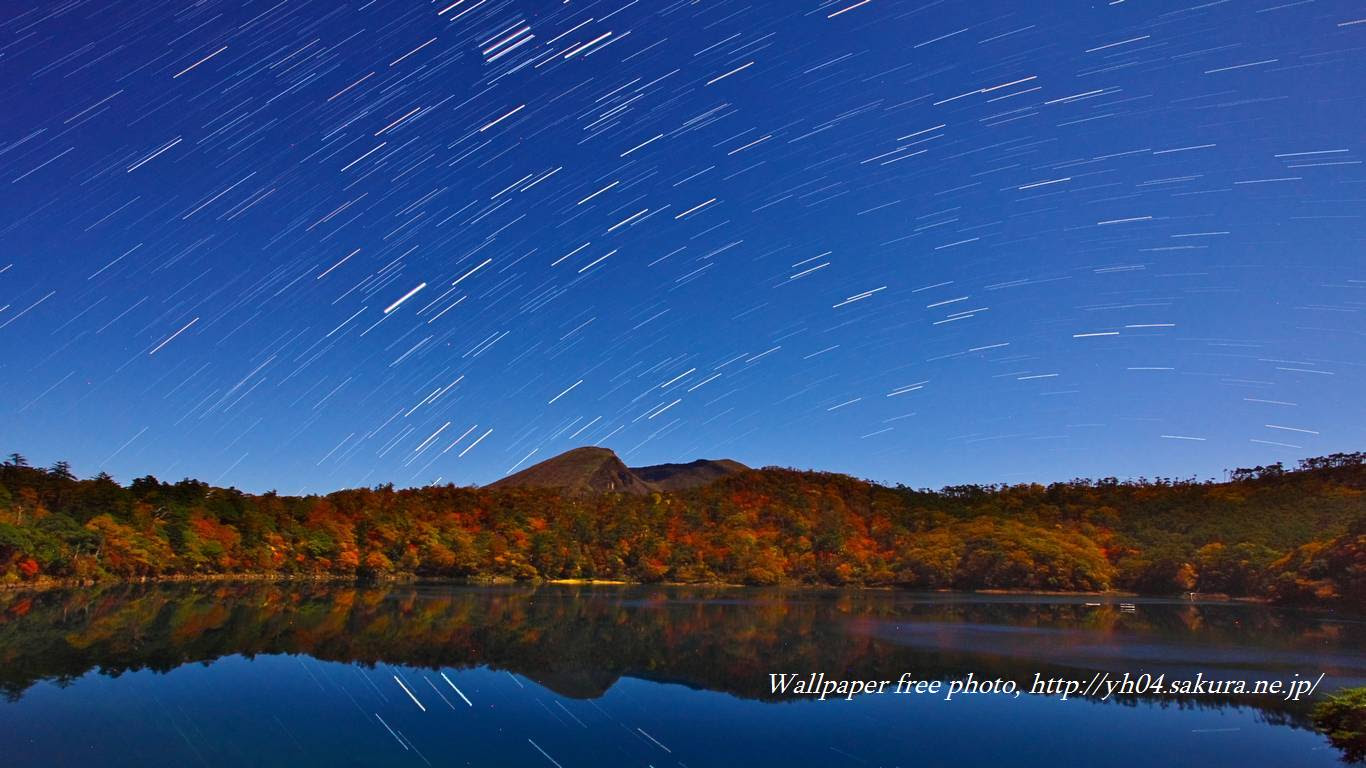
(311, 245)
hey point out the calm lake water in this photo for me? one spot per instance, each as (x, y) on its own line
(291, 675)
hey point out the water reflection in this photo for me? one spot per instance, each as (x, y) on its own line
(299, 674)
(580, 642)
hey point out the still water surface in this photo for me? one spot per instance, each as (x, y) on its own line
(303, 674)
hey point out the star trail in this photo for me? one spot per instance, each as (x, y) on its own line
(303, 245)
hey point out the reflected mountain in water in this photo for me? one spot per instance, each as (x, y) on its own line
(578, 641)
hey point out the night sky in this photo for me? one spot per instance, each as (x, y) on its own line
(311, 245)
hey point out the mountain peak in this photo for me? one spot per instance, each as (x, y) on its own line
(591, 469)
(579, 471)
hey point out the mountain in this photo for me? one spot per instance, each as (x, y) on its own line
(678, 477)
(591, 470)
(579, 471)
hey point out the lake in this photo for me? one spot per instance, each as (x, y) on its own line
(290, 674)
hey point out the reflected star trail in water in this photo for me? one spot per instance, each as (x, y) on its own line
(307, 245)
(317, 674)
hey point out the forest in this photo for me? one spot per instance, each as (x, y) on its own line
(1294, 535)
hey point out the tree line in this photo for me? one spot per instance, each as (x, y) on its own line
(1293, 535)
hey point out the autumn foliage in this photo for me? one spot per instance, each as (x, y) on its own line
(1294, 535)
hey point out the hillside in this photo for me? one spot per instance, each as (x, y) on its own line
(1293, 535)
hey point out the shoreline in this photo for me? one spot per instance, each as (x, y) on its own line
(43, 585)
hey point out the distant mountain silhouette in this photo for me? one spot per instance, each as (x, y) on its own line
(591, 470)
(677, 477)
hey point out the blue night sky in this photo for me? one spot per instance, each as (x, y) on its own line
(311, 245)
